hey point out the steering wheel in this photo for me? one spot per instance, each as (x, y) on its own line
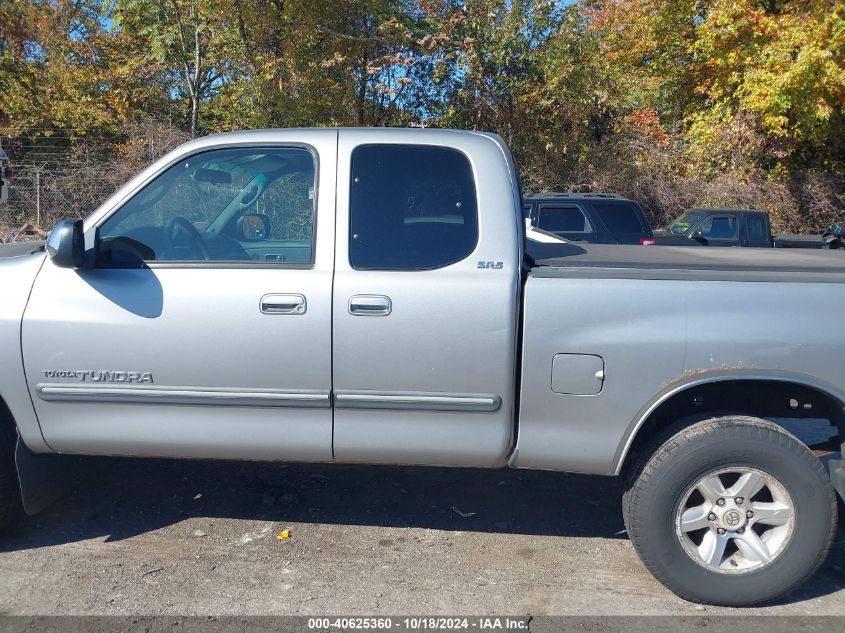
(182, 241)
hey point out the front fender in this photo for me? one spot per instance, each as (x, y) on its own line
(17, 275)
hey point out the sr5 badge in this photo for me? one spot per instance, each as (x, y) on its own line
(491, 265)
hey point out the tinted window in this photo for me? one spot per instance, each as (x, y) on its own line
(719, 228)
(563, 220)
(228, 204)
(619, 217)
(412, 207)
(757, 228)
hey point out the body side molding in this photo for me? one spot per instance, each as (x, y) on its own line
(62, 392)
(418, 401)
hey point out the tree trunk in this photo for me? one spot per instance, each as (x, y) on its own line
(195, 112)
(361, 97)
(195, 84)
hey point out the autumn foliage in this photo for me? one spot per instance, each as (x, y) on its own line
(674, 102)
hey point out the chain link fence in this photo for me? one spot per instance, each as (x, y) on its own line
(39, 197)
(55, 177)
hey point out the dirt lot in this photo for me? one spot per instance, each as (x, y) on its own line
(163, 537)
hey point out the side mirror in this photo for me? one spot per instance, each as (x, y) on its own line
(698, 236)
(66, 244)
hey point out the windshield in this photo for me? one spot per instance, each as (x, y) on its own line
(682, 224)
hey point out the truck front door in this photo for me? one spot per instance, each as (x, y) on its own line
(718, 230)
(425, 299)
(204, 328)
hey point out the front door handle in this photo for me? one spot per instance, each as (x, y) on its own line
(370, 305)
(283, 304)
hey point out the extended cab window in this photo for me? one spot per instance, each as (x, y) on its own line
(757, 229)
(243, 204)
(411, 207)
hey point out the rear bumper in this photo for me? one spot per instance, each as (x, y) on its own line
(837, 473)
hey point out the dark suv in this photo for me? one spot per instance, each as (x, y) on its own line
(601, 218)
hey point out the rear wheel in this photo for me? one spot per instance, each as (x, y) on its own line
(731, 511)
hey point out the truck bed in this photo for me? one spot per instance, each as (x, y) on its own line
(606, 323)
(798, 241)
(675, 262)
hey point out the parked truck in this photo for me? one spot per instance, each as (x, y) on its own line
(364, 296)
(739, 227)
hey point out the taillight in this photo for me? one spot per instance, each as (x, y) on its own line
(646, 241)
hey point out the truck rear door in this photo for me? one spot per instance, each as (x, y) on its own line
(425, 299)
(720, 229)
(756, 229)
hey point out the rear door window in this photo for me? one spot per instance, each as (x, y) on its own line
(563, 219)
(412, 207)
(620, 217)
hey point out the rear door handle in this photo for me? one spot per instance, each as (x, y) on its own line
(283, 304)
(370, 305)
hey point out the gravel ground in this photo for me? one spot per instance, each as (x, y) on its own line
(165, 537)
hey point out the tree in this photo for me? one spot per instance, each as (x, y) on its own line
(191, 39)
(765, 76)
(50, 66)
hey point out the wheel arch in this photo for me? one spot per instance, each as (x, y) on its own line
(758, 393)
(7, 420)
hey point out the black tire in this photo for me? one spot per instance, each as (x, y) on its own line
(658, 484)
(10, 496)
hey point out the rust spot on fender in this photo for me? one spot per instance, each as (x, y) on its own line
(698, 372)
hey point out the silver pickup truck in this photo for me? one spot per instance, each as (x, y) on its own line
(365, 296)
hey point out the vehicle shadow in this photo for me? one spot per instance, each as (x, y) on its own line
(119, 498)
(115, 499)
